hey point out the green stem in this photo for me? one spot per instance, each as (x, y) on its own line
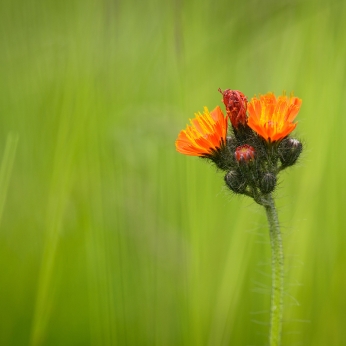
(277, 273)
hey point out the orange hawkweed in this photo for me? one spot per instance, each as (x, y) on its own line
(271, 117)
(206, 134)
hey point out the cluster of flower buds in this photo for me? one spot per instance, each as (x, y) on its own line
(255, 147)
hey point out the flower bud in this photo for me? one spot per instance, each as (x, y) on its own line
(236, 105)
(244, 153)
(267, 183)
(235, 182)
(289, 151)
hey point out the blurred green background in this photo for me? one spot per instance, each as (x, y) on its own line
(108, 236)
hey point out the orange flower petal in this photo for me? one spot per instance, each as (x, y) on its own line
(206, 133)
(271, 117)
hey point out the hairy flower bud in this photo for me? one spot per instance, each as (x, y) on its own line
(289, 151)
(267, 183)
(236, 105)
(244, 153)
(235, 181)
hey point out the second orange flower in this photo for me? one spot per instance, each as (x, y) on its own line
(205, 136)
(271, 117)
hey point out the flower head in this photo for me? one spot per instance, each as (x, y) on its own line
(205, 135)
(236, 104)
(271, 117)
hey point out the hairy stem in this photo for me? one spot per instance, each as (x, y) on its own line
(276, 310)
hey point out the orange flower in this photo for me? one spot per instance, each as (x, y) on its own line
(271, 117)
(205, 135)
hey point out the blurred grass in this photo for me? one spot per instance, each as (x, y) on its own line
(108, 236)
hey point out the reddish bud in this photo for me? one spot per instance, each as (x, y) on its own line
(244, 153)
(236, 106)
